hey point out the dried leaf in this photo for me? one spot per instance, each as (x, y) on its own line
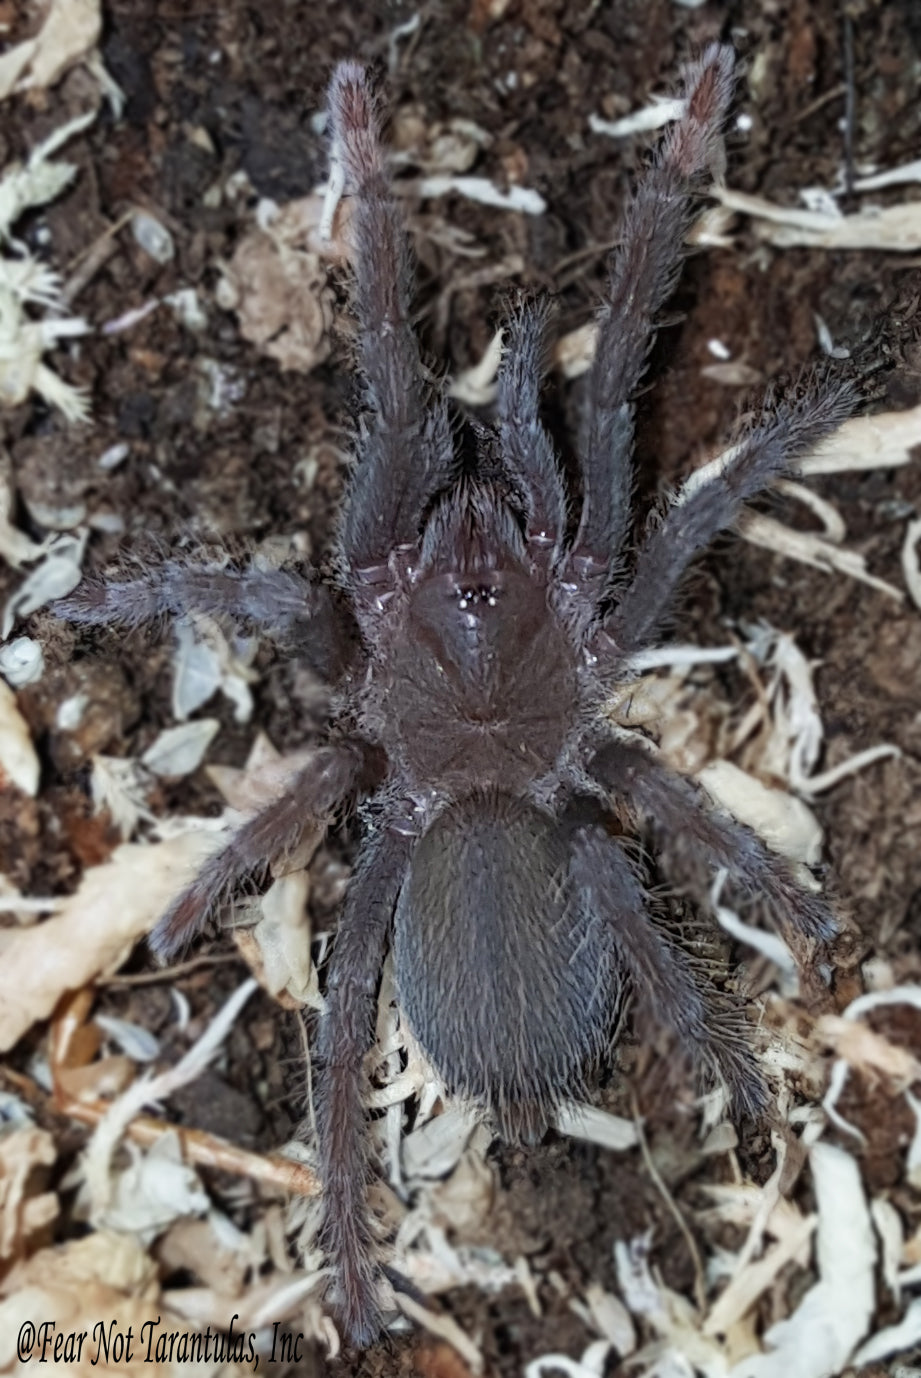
(282, 299)
(283, 939)
(178, 751)
(19, 762)
(116, 904)
(23, 1210)
(69, 33)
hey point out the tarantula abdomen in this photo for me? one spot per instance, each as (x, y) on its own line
(489, 921)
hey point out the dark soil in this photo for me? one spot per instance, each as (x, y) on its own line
(216, 89)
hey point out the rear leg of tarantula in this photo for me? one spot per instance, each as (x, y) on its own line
(643, 272)
(527, 450)
(407, 453)
(765, 451)
(667, 991)
(696, 841)
(345, 1036)
(331, 775)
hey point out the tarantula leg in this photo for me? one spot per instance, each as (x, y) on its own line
(643, 272)
(526, 448)
(713, 500)
(312, 795)
(268, 599)
(667, 990)
(696, 841)
(407, 453)
(345, 1036)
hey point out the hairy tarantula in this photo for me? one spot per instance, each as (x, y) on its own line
(482, 616)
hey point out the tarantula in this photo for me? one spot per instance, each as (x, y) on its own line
(481, 617)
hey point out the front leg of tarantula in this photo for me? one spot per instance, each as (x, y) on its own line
(526, 447)
(643, 272)
(764, 452)
(696, 841)
(293, 608)
(331, 775)
(667, 991)
(346, 1034)
(406, 453)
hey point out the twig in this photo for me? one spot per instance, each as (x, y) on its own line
(150, 978)
(700, 1291)
(199, 1147)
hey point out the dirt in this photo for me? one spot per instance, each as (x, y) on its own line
(212, 91)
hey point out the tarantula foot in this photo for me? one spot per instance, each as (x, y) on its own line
(181, 922)
(357, 1306)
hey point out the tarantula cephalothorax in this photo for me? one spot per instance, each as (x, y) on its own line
(479, 624)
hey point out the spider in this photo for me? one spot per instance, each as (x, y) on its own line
(482, 615)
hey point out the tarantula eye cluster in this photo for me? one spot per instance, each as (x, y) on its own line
(473, 593)
(481, 619)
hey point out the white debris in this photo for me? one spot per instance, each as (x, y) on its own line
(592, 1364)
(770, 945)
(826, 343)
(574, 352)
(596, 1126)
(818, 1339)
(905, 1335)
(893, 177)
(188, 310)
(910, 565)
(178, 751)
(893, 228)
(205, 662)
(653, 116)
(829, 516)
(22, 661)
(811, 549)
(680, 657)
(120, 786)
(70, 711)
(445, 1328)
(476, 386)
(884, 441)
(134, 1041)
(101, 1183)
(153, 237)
(435, 1148)
(25, 282)
(785, 823)
(482, 190)
(57, 575)
(610, 1318)
(144, 1198)
(114, 455)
